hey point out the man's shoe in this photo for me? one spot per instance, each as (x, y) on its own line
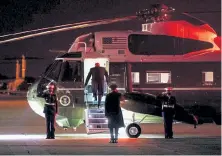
(52, 137)
(111, 141)
(115, 141)
(48, 136)
(166, 137)
(170, 137)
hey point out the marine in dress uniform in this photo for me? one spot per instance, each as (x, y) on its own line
(50, 110)
(168, 111)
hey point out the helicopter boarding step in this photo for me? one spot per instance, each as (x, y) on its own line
(95, 120)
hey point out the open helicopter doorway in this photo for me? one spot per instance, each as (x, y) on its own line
(95, 120)
(90, 63)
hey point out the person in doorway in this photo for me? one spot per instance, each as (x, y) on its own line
(50, 109)
(168, 112)
(98, 73)
(113, 112)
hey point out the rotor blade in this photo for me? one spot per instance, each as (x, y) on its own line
(27, 58)
(34, 58)
(203, 12)
(70, 28)
(7, 62)
(10, 58)
(47, 28)
(187, 14)
(57, 51)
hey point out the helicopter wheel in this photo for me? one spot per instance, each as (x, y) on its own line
(133, 130)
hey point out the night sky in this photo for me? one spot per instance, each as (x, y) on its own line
(21, 15)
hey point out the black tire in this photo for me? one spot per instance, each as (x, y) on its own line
(217, 119)
(134, 126)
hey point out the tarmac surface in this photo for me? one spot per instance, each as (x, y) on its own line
(22, 133)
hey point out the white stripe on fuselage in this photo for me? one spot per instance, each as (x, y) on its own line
(70, 89)
(200, 88)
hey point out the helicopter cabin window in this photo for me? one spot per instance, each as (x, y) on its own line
(158, 77)
(53, 70)
(207, 78)
(71, 71)
(135, 77)
(140, 44)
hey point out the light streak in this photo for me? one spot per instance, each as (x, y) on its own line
(46, 28)
(67, 136)
(102, 22)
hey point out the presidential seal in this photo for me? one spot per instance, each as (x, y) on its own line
(65, 100)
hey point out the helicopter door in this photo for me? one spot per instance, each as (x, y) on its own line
(70, 93)
(70, 83)
(89, 63)
(117, 75)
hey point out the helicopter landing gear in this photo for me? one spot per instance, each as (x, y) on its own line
(133, 130)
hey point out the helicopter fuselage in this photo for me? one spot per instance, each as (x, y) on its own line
(168, 55)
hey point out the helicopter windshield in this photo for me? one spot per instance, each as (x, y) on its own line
(61, 71)
(71, 71)
(53, 70)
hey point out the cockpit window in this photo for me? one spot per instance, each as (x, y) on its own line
(53, 71)
(71, 71)
(47, 68)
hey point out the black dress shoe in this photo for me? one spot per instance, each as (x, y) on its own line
(115, 141)
(111, 141)
(170, 137)
(166, 137)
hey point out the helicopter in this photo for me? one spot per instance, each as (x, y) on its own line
(120, 52)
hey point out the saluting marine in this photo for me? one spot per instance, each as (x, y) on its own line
(168, 111)
(50, 109)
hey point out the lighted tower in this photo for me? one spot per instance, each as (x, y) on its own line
(17, 72)
(23, 66)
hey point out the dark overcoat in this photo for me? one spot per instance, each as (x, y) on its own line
(113, 110)
(97, 74)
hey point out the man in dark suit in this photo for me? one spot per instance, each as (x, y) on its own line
(114, 113)
(97, 74)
